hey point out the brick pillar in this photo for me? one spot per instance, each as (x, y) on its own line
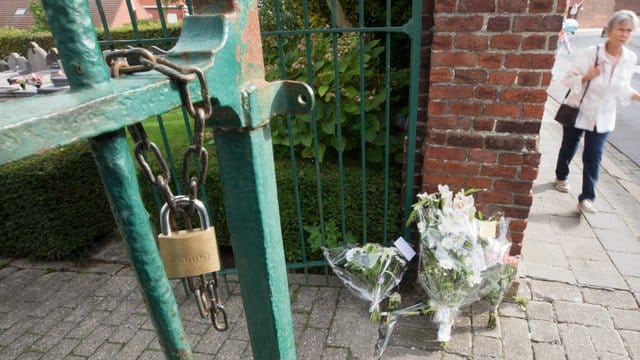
(489, 69)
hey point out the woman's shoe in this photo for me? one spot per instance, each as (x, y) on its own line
(586, 205)
(562, 186)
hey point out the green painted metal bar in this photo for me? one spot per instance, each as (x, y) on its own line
(245, 159)
(363, 124)
(190, 7)
(76, 40)
(103, 19)
(292, 153)
(314, 125)
(170, 160)
(163, 21)
(134, 19)
(248, 178)
(337, 89)
(415, 33)
(387, 124)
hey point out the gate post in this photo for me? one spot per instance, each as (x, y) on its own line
(75, 37)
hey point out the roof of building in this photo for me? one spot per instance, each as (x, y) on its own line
(10, 15)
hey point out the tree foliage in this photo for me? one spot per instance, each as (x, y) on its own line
(40, 23)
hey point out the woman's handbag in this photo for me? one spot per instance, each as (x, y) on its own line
(568, 114)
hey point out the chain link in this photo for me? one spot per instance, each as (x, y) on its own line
(140, 60)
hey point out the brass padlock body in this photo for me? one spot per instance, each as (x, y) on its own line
(189, 253)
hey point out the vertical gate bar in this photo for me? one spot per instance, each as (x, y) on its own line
(190, 7)
(292, 153)
(75, 37)
(338, 89)
(414, 29)
(248, 179)
(163, 22)
(105, 24)
(363, 124)
(314, 123)
(134, 19)
(387, 114)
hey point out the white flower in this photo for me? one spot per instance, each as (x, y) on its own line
(445, 260)
(446, 195)
(464, 204)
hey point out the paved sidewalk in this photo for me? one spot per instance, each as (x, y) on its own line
(580, 275)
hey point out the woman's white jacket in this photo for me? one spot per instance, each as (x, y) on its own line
(598, 109)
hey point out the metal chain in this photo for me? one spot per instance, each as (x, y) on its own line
(140, 60)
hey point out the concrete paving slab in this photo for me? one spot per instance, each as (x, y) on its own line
(546, 351)
(609, 221)
(582, 314)
(577, 342)
(543, 331)
(626, 319)
(572, 225)
(587, 248)
(610, 298)
(626, 263)
(607, 340)
(550, 291)
(634, 283)
(516, 341)
(541, 271)
(621, 239)
(540, 310)
(597, 273)
(545, 254)
(632, 340)
(486, 346)
(404, 353)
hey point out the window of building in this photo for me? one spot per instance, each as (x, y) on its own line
(20, 11)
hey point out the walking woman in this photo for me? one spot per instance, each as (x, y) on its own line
(601, 84)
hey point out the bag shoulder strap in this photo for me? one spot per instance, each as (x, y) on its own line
(588, 83)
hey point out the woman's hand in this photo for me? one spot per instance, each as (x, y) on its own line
(592, 73)
(636, 97)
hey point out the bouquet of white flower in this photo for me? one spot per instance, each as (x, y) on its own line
(462, 259)
(370, 272)
(452, 254)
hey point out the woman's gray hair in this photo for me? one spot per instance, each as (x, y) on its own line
(623, 16)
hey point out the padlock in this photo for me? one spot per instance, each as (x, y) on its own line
(188, 253)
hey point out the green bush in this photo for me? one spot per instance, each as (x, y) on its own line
(53, 205)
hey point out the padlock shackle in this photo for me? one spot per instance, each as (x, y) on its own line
(181, 200)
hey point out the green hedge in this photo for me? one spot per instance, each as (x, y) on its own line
(14, 40)
(53, 205)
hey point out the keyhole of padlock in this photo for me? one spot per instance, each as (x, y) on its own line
(188, 253)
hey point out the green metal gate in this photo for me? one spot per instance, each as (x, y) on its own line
(361, 201)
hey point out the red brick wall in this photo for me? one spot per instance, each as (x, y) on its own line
(486, 79)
